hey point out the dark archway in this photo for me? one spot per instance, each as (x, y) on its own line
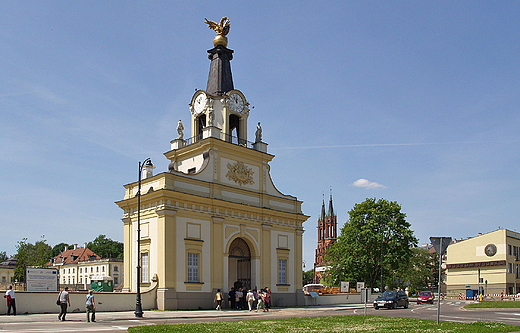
(239, 263)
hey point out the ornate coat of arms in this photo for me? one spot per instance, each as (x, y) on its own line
(239, 173)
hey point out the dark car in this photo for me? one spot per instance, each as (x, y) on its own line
(425, 297)
(391, 300)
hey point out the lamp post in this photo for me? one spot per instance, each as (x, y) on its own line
(138, 306)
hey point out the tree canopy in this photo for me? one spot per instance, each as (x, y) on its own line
(106, 247)
(422, 270)
(375, 242)
(28, 254)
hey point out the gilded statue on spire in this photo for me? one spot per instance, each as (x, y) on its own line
(221, 28)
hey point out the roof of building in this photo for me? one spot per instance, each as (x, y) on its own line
(9, 263)
(74, 256)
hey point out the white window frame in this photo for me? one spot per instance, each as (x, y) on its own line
(145, 266)
(193, 267)
(282, 271)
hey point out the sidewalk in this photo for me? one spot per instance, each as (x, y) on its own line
(129, 315)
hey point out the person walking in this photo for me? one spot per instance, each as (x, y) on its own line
(250, 297)
(239, 295)
(11, 301)
(64, 299)
(260, 303)
(267, 299)
(91, 306)
(218, 299)
(231, 298)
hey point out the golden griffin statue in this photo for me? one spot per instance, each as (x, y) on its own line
(221, 28)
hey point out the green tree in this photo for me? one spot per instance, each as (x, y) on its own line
(308, 276)
(106, 247)
(421, 272)
(33, 255)
(3, 256)
(376, 241)
(59, 248)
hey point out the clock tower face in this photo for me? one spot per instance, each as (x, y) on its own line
(236, 103)
(199, 103)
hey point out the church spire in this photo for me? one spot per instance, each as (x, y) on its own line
(220, 80)
(331, 209)
(322, 216)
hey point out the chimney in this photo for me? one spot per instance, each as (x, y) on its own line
(75, 246)
(85, 245)
(66, 248)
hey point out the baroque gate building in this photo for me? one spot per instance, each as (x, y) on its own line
(214, 219)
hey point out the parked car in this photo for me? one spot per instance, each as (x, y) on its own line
(425, 297)
(391, 300)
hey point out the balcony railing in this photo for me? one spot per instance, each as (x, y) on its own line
(224, 137)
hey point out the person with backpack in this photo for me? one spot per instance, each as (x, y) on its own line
(90, 306)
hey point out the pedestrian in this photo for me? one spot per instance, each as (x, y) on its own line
(267, 299)
(238, 298)
(250, 297)
(231, 298)
(218, 299)
(91, 306)
(64, 299)
(260, 304)
(255, 303)
(11, 301)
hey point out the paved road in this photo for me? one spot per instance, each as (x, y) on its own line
(450, 311)
(121, 321)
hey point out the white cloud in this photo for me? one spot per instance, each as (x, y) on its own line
(367, 184)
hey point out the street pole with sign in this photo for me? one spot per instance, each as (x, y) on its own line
(440, 244)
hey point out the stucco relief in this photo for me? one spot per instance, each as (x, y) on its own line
(239, 173)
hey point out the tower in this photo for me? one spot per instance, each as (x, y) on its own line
(214, 219)
(327, 235)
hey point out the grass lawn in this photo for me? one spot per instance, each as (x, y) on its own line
(330, 324)
(498, 304)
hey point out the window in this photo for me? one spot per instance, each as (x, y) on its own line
(116, 280)
(116, 268)
(97, 269)
(510, 268)
(91, 269)
(282, 271)
(193, 267)
(144, 267)
(103, 269)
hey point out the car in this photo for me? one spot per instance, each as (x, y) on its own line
(425, 297)
(391, 299)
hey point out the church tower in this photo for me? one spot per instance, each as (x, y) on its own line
(327, 235)
(214, 219)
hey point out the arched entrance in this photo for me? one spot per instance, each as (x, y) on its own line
(239, 263)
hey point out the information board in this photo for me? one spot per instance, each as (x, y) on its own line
(41, 279)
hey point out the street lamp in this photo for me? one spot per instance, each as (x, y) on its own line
(146, 165)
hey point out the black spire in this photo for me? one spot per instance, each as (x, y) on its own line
(331, 210)
(322, 216)
(220, 80)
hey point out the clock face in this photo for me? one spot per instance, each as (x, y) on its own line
(490, 250)
(236, 103)
(199, 103)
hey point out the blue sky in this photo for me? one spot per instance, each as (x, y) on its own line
(411, 101)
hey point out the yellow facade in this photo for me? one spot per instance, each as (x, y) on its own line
(490, 261)
(6, 275)
(183, 214)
